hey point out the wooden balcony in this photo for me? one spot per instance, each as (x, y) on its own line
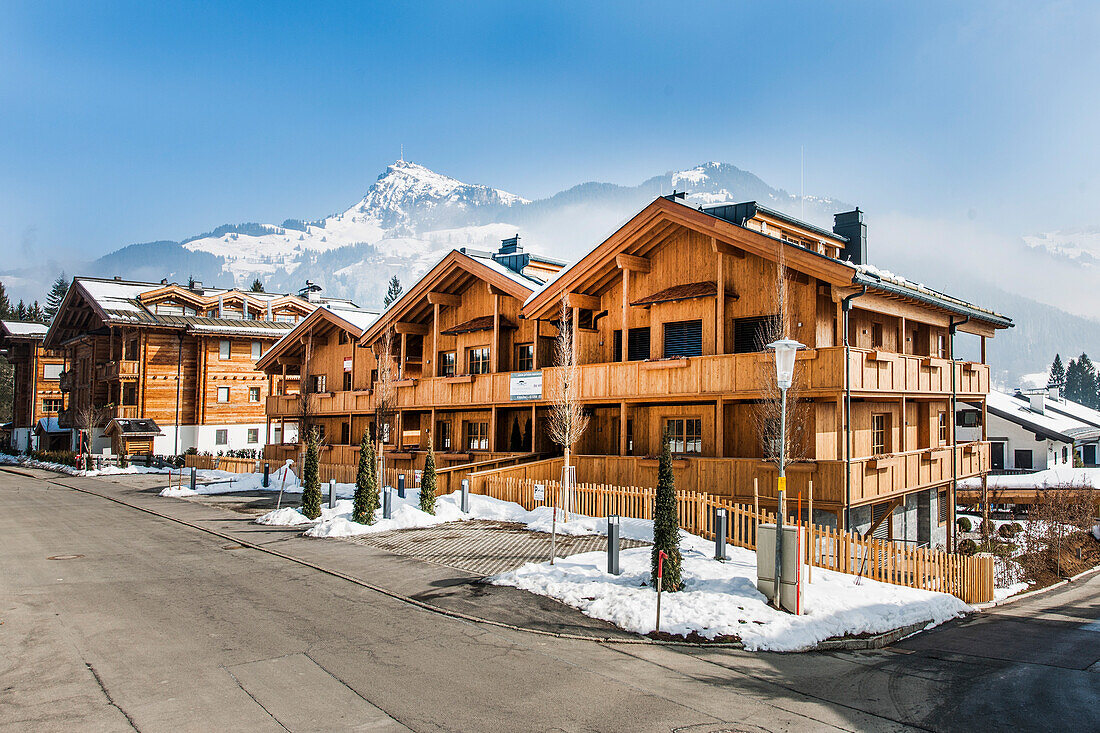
(115, 370)
(729, 375)
(66, 382)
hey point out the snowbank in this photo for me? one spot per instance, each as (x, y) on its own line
(62, 468)
(720, 598)
(1051, 477)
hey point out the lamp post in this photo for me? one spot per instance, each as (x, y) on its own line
(785, 350)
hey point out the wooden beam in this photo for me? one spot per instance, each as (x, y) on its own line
(445, 299)
(435, 339)
(625, 340)
(726, 249)
(632, 262)
(720, 308)
(404, 327)
(622, 428)
(580, 300)
(894, 504)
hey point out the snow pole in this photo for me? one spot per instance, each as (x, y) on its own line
(553, 524)
(810, 530)
(660, 584)
(286, 467)
(798, 578)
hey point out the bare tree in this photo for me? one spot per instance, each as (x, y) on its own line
(568, 420)
(1058, 513)
(87, 418)
(385, 396)
(305, 394)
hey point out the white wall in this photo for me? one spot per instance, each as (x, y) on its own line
(204, 438)
(1046, 453)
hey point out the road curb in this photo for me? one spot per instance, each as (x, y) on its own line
(877, 641)
(1037, 591)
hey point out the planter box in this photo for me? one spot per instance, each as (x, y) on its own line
(464, 379)
(665, 364)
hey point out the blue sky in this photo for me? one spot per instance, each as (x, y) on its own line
(126, 122)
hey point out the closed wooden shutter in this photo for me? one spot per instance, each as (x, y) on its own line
(638, 348)
(750, 334)
(617, 346)
(683, 338)
(882, 531)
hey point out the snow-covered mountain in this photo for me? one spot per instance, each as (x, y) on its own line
(1082, 246)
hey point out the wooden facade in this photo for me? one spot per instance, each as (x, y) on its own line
(182, 357)
(36, 375)
(669, 315)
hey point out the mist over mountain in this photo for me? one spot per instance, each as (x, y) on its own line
(411, 216)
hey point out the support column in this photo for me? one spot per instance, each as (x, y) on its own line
(576, 333)
(720, 309)
(626, 317)
(404, 355)
(493, 429)
(622, 426)
(534, 422)
(720, 423)
(904, 441)
(901, 336)
(435, 340)
(494, 348)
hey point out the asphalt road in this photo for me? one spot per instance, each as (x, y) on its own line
(141, 623)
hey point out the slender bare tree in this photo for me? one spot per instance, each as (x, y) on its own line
(305, 397)
(385, 395)
(86, 419)
(568, 420)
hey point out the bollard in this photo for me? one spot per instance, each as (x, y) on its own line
(332, 493)
(613, 544)
(721, 517)
(98, 463)
(192, 478)
(401, 485)
(267, 475)
(465, 496)
(387, 505)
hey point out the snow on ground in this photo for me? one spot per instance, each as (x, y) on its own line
(62, 468)
(720, 598)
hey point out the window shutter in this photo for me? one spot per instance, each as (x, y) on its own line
(617, 346)
(684, 338)
(638, 348)
(882, 532)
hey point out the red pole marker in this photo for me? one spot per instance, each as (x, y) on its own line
(661, 555)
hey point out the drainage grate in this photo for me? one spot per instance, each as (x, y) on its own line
(482, 547)
(65, 557)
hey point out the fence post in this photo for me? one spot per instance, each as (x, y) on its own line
(613, 545)
(720, 520)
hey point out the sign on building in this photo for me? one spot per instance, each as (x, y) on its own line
(525, 386)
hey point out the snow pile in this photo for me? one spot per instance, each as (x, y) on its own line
(178, 492)
(285, 517)
(720, 598)
(225, 482)
(72, 471)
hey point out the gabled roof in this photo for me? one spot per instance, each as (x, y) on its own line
(23, 330)
(650, 227)
(352, 319)
(1068, 407)
(453, 274)
(133, 427)
(1048, 424)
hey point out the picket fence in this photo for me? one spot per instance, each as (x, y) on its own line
(968, 578)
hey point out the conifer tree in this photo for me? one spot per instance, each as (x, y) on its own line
(427, 482)
(393, 292)
(311, 479)
(666, 524)
(21, 311)
(35, 314)
(257, 286)
(5, 304)
(1057, 372)
(55, 296)
(366, 484)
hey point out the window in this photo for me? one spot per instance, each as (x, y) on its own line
(880, 434)
(876, 335)
(525, 358)
(443, 435)
(52, 371)
(319, 383)
(686, 435)
(943, 428)
(253, 394)
(347, 381)
(345, 433)
(1023, 459)
(253, 435)
(277, 435)
(169, 309)
(477, 360)
(221, 437)
(223, 394)
(286, 318)
(477, 436)
(968, 419)
(941, 346)
(224, 349)
(683, 338)
(585, 319)
(320, 432)
(232, 314)
(130, 351)
(51, 405)
(943, 506)
(129, 395)
(446, 363)
(1065, 452)
(257, 350)
(880, 520)
(753, 334)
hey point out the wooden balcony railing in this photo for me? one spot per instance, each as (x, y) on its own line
(113, 370)
(821, 373)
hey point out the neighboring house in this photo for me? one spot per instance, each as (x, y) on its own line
(1024, 433)
(1053, 401)
(670, 314)
(182, 358)
(36, 391)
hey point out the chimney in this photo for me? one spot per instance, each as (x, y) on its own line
(164, 281)
(1054, 392)
(221, 306)
(118, 277)
(196, 286)
(1038, 402)
(510, 246)
(849, 224)
(311, 292)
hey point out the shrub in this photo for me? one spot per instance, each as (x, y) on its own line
(964, 524)
(1008, 531)
(311, 479)
(365, 503)
(968, 547)
(427, 482)
(666, 525)
(986, 526)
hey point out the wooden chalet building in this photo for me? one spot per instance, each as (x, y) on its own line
(671, 313)
(180, 357)
(36, 391)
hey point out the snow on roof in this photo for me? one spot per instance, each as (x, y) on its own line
(1072, 409)
(22, 328)
(531, 283)
(1062, 476)
(49, 425)
(358, 317)
(1052, 423)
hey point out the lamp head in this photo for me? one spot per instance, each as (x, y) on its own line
(785, 350)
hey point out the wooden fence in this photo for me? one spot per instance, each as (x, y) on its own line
(223, 463)
(969, 578)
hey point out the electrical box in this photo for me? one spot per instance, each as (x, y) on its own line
(794, 552)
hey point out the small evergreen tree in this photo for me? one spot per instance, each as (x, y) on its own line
(366, 484)
(1089, 388)
(666, 524)
(393, 292)
(35, 314)
(55, 296)
(427, 482)
(311, 479)
(257, 286)
(5, 304)
(21, 311)
(1057, 372)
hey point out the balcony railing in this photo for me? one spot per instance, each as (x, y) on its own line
(65, 383)
(114, 370)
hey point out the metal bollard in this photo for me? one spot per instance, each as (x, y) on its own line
(401, 485)
(98, 463)
(332, 493)
(721, 518)
(267, 475)
(613, 544)
(192, 478)
(387, 503)
(465, 496)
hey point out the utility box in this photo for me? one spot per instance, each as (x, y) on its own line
(794, 552)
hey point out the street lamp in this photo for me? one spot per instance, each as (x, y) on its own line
(785, 351)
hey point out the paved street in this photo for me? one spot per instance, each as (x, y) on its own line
(115, 619)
